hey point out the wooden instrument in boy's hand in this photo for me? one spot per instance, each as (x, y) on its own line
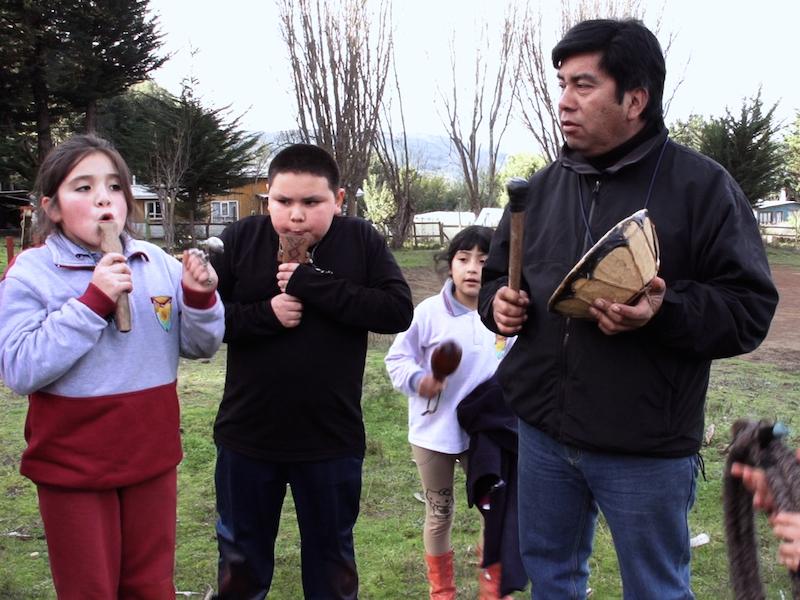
(517, 189)
(293, 248)
(110, 242)
(445, 359)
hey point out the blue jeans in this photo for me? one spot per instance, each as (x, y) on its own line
(645, 501)
(250, 495)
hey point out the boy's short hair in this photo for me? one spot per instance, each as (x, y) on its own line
(305, 158)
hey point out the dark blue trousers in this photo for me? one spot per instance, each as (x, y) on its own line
(250, 495)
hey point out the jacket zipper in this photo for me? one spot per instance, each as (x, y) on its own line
(588, 242)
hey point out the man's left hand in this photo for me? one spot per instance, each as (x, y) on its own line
(613, 318)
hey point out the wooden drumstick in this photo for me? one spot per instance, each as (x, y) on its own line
(110, 242)
(517, 189)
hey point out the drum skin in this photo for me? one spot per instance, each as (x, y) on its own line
(618, 268)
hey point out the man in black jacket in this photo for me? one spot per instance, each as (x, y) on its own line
(291, 410)
(611, 408)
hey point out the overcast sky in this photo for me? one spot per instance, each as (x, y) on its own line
(724, 50)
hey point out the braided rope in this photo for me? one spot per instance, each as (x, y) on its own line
(758, 444)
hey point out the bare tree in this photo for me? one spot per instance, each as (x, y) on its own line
(489, 113)
(538, 106)
(170, 162)
(339, 58)
(398, 175)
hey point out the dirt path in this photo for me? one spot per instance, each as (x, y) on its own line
(782, 346)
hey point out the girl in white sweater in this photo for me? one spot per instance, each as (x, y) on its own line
(437, 440)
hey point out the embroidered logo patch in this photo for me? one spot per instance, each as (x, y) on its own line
(162, 305)
(500, 346)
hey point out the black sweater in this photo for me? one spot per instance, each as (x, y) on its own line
(643, 391)
(295, 394)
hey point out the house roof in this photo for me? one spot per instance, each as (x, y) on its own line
(15, 198)
(446, 217)
(143, 192)
(767, 204)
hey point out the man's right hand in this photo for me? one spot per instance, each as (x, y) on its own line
(288, 309)
(510, 310)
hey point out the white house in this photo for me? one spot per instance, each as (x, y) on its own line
(489, 217)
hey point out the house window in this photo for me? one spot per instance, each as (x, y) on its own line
(224, 211)
(152, 210)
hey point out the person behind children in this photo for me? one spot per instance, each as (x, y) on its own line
(291, 410)
(103, 419)
(437, 440)
(785, 524)
(611, 408)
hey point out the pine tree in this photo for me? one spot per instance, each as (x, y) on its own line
(108, 45)
(745, 145)
(792, 176)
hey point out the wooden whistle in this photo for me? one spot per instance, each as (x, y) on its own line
(110, 242)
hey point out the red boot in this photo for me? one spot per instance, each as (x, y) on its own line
(489, 583)
(440, 576)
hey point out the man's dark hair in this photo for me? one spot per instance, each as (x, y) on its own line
(305, 158)
(630, 52)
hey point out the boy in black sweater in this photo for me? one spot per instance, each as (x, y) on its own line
(297, 341)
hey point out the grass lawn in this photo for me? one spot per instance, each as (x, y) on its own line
(388, 534)
(784, 255)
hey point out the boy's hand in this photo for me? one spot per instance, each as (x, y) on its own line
(786, 527)
(430, 387)
(288, 309)
(285, 271)
(198, 274)
(509, 310)
(112, 275)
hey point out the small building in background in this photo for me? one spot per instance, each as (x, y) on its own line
(239, 202)
(775, 212)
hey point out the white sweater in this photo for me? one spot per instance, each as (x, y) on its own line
(438, 319)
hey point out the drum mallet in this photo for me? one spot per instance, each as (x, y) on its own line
(517, 189)
(110, 242)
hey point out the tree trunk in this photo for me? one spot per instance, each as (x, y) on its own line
(37, 67)
(90, 118)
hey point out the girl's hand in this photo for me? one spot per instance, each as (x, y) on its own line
(430, 387)
(198, 274)
(112, 275)
(285, 272)
(786, 527)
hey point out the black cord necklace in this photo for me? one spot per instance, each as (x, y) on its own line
(646, 200)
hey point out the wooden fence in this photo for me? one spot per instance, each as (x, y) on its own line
(779, 234)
